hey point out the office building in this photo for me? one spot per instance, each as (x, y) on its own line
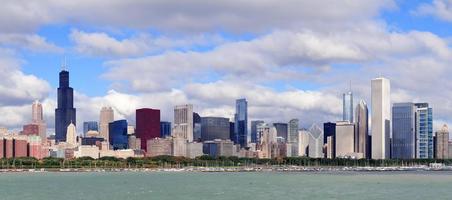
(345, 139)
(30, 129)
(381, 118)
(282, 130)
(424, 131)
(196, 127)
(183, 121)
(117, 132)
(254, 124)
(403, 131)
(315, 142)
(241, 123)
(442, 143)
(65, 113)
(303, 142)
(159, 147)
(293, 131)
(71, 135)
(347, 106)
(362, 129)
(106, 117)
(214, 128)
(165, 129)
(90, 126)
(329, 130)
(147, 125)
(217, 148)
(38, 119)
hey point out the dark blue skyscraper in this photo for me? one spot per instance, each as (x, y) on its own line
(117, 132)
(90, 126)
(65, 113)
(165, 129)
(241, 122)
(281, 130)
(403, 131)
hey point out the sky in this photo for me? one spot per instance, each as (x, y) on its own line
(290, 59)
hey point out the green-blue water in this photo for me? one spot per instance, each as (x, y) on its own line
(216, 186)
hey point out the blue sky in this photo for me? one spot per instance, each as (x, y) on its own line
(290, 59)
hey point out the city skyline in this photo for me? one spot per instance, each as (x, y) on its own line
(125, 65)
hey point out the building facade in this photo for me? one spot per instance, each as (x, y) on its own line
(165, 129)
(147, 125)
(38, 119)
(345, 139)
(362, 129)
(183, 121)
(117, 132)
(282, 130)
(381, 118)
(254, 124)
(65, 113)
(424, 131)
(214, 128)
(315, 142)
(347, 106)
(241, 123)
(403, 131)
(90, 126)
(107, 116)
(442, 143)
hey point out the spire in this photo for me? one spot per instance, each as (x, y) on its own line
(64, 64)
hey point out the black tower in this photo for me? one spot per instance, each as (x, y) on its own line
(65, 112)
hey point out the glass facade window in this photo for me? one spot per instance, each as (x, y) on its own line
(404, 131)
(241, 123)
(118, 137)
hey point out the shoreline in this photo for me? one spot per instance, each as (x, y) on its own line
(238, 169)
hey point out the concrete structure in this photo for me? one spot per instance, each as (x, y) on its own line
(217, 148)
(107, 116)
(403, 131)
(71, 136)
(183, 121)
(347, 106)
(147, 125)
(194, 149)
(65, 113)
(134, 142)
(130, 130)
(241, 136)
(30, 129)
(424, 131)
(442, 143)
(381, 118)
(345, 139)
(303, 142)
(38, 119)
(87, 151)
(159, 147)
(14, 146)
(214, 128)
(315, 142)
(179, 146)
(362, 129)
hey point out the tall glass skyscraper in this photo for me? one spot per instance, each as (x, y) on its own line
(347, 106)
(403, 131)
(241, 122)
(424, 131)
(65, 113)
(362, 129)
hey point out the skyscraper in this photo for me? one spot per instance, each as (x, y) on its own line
(281, 130)
(38, 119)
(71, 136)
(347, 106)
(293, 131)
(147, 125)
(65, 113)
(424, 131)
(254, 125)
(214, 128)
(362, 129)
(196, 127)
(90, 126)
(241, 122)
(106, 117)
(118, 137)
(442, 143)
(381, 118)
(345, 133)
(315, 142)
(329, 131)
(403, 131)
(183, 121)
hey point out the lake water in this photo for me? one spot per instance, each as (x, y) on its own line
(225, 186)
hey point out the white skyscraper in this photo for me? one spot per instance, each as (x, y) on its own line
(106, 116)
(38, 119)
(381, 118)
(71, 135)
(183, 121)
(315, 142)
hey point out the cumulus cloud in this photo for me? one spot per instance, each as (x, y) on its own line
(31, 42)
(441, 9)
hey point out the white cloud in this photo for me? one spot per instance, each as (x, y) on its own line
(441, 9)
(31, 42)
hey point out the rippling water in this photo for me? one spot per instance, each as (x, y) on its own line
(213, 186)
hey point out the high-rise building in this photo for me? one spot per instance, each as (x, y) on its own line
(282, 130)
(241, 122)
(65, 113)
(293, 131)
(329, 130)
(254, 124)
(381, 118)
(90, 126)
(347, 106)
(345, 133)
(362, 129)
(30, 129)
(38, 119)
(315, 142)
(424, 131)
(117, 132)
(303, 142)
(183, 121)
(442, 143)
(196, 127)
(214, 128)
(165, 129)
(106, 117)
(147, 125)
(71, 135)
(403, 131)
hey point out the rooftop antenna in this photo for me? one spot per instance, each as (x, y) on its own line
(64, 64)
